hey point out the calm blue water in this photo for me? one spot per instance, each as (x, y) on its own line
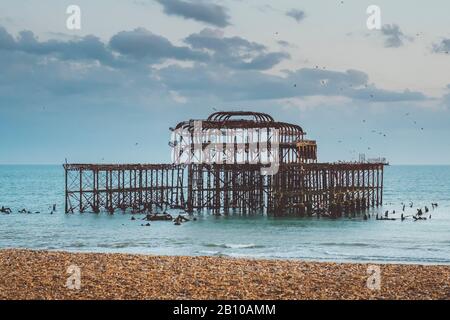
(38, 187)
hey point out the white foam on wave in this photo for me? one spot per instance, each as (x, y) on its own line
(234, 246)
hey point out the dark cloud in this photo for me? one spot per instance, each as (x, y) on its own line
(296, 14)
(394, 36)
(136, 46)
(442, 47)
(84, 69)
(235, 52)
(35, 79)
(141, 43)
(238, 85)
(7, 41)
(223, 68)
(85, 48)
(201, 11)
(140, 46)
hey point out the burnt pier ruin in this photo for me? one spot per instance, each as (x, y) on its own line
(230, 163)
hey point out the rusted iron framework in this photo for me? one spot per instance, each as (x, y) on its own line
(256, 138)
(332, 189)
(232, 180)
(139, 187)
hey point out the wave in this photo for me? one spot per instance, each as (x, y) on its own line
(349, 244)
(233, 246)
(75, 245)
(209, 253)
(116, 245)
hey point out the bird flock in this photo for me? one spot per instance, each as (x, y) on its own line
(7, 210)
(164, 216)
(418, 214)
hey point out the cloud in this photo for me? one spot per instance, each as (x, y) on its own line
(235, 52)
(7, 41)
(296, 14)
(286, 44)
(141, 47)
(209, 13)
(238, 85)
(442, 47)
(86, 69)
(141, 43)
(394, 36)
(124, 49)
(85, 48)
(222, 68)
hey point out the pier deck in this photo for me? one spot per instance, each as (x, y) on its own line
(297, 189)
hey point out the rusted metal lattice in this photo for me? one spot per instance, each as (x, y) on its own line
(221, 166)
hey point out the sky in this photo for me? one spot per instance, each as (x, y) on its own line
(109, 91)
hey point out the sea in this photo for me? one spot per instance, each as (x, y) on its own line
(37, 188)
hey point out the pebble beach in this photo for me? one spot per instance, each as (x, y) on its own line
(26, 274)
